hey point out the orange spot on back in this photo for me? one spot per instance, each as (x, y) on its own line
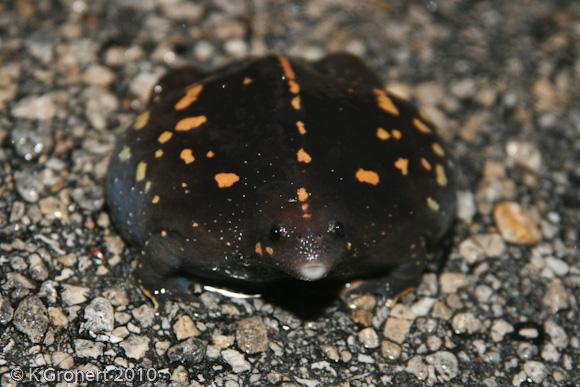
(305, 207)
(432, 204)
(258, 249)
(125, 153)
(302, 194)
(190, 123)
(301, 127)
(382, 134)
(426, 164)
(209, 154)
(287, 68)
(303, 156)
(402, 164)
(155, 199)
(164, 137)
(296, 102)
(141, 120)
(293, 86)
(385, 102)
(397, 134)
(187, 156)
(141, 171)
(440, 175)
(190, 97)
(247, 81)
(421, 126)
(226, 179)
(158, 153)
(367, 176)
(269, 250)
(438, 149)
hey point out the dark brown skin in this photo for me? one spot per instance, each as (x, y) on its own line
(275, 168)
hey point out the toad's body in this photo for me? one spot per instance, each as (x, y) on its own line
(274, 168)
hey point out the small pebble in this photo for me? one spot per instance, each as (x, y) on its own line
(450, 282)
(73, 295)
(252, 335)
(6, 310)
(236, 360)
(184, 328)
(418, 367)
(88, 348)
(515, 224)
(369, 338)
(390, 350)
(135, 346)
(99, 316)
(465, 323)
(62, 360)
(535, 371)
(31, 318)
(397, 329)
(188, 352)
(445, 364)
(35, 108)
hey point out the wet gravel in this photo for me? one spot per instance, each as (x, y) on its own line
(499, 78)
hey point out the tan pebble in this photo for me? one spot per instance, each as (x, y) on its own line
(516, 224)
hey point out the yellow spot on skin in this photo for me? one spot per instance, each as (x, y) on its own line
(420, 126)
(397, 134)
(382, 134)
(164, 137)
(258, 249)
(303, 156)
(141, 120)
(194, 224)
(296, 102)
(402, 164)
(440, 173)
(369, 177)
(348, 246)
(287, 68)
(158, 153)
(141, 171)
(301, 127)
(247, 81)
(190, 97)
(209, 154)
(305, 207)
(187, 156)
(269, 250)
(432, 204)
(163, 233)
(306, 216)
(438, 149)
(302, 194)
(294, 86)
(190, 123)
(155, 199)
(226, 179)
(426, 164)
(125, 153)
(385, 103)
(147, 186)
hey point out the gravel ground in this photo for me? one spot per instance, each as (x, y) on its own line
(500, 79)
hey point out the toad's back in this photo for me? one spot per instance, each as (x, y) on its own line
(276, 167)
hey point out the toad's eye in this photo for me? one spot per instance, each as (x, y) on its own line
(276, 233)
(337, 229)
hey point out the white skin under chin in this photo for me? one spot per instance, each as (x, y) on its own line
(311, 272)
